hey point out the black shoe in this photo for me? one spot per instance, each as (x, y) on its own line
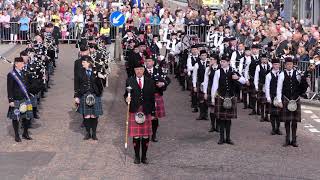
(258, 113)
(36, 116)
(94, 137)
(205, 118)
(245, 107)
(26, 137)
(261, 120)
(253, 113)
(136, 160)
(286, 144)
(87, 137)
(212, 129)
(266, 119)
(294, 144)
(221, 141)
(17, 139)
(229, 141)
(279, 132)
(195, 110)
(144, 161)
(154, 138)
(273, 132)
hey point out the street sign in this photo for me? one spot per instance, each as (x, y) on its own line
(117, 18)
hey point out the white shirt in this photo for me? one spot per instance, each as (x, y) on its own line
(234, 58)
(267, 83)
(150, 71)
(195, 72)
(244, 72)
(142, 81)
(218, 39)
(256, 75)
(173, 44)
(280, 82)
(215, 85)
(189, 63)
(206, 78)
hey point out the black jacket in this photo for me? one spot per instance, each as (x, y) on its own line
(158, 76)
(76, 71)
(83, 84)
(13, 89)
(141, 97)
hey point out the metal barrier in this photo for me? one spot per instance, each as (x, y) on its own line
(69, 33)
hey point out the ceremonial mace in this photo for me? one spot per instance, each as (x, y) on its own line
(129, 88)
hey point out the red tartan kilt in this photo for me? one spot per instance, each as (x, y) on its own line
(224, 114)
(160, 111)
(287, 116)
(139, 129)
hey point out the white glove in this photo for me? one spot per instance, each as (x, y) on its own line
(77, 100)
(101, 76)
(212, 101)
(269, 100)
(189, 73)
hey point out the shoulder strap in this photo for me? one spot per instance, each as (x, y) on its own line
(20, 83)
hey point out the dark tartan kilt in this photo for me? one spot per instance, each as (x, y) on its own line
(261, 97)
(209, 101)
(27, 115)
(252, 89)
(273, 110)
(287, 115)
(200, 94)
(245, 88)
(224, 114)
(136, 129)
(95, 110)
(34, 101)
(160, 111)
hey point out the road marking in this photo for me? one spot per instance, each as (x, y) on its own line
(314, 130)
(308, 126)
(317, 120)
(307, 111)
(314, 117)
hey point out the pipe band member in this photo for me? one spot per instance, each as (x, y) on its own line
(291, 84)
(141, 111)
(88, 92)
(224, 97)
(161, 81)
(20, 105)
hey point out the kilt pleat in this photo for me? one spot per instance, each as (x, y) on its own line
(160, 110)
(136, 129)
(95, 110)
(26, 115)
(288, 116)
(225, 114)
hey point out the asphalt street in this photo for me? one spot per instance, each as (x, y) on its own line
(185, 149)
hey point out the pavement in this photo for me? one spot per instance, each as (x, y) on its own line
(6, 48)
(185, 149)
